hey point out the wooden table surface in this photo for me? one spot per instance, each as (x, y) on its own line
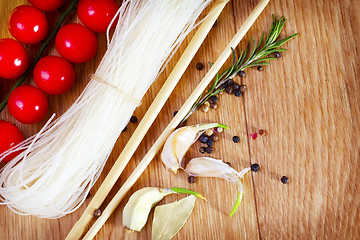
(308, 103)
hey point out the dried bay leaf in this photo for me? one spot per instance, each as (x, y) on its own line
(170, 218)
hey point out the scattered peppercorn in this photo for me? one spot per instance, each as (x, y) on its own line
(125, 128)
(207, 103)
(241, 74)
(228, 163)
(229, 82)
(209, 149)
(199, 66)
(262, 132)
(213, 105)
(214, 138)
(277, 55)
(236, 139)
(255, 167)
(88, 195)
(205, 109)
(191, 179)
(210, 143)
(203, 138)
(237, 93)
(133, 119)
(284, 179)
(174, 114)
(219, 129)
(209, 132)
(260, 68)
(243, 88)
(97, 213)
(214, 99)
(229, 89)
(235, 86)
(202, 150)
(254, 136)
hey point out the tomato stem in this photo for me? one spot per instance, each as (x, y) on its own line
(40, 52)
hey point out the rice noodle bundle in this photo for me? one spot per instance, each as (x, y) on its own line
(60, 164)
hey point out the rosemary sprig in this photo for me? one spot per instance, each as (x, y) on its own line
(43, 46)
(259, 55)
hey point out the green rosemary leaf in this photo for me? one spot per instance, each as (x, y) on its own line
(258, 55)
(260, 42)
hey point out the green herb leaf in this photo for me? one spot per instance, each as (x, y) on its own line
(187, 191)
(258, 56)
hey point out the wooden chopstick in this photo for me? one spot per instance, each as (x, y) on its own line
(176, 120)
(149, 117)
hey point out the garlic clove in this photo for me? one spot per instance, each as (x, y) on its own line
(168, 155)
(137, 209)
(179, 142)
(210, 167)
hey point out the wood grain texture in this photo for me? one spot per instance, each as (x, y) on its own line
(307, 101)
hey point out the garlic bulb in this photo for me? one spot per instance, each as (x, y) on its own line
(179, 142)
(137, 210)
(210, 167)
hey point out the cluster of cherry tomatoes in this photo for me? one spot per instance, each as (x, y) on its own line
(75, 43)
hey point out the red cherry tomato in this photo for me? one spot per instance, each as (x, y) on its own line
(14, 59)
(47, 5)
(54, 75)
(97, 14)
(28, 24)
(76, 43)
(10, 136)
(28, 104)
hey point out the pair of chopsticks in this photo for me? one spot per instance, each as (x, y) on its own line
(115, 172)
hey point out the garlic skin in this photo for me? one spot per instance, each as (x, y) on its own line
(137, 209)
(210, 167)
(179, 142)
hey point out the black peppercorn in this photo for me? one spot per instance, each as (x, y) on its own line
(202, 150)
(229, 82)
(213, 105)
(203, 138)
(255, 167)
(199, 66)
(284, 179)
(262, 132)
(133, 119)
(237, 93)
(241, 74)
(260, 68)
(214, 99)
(229, 89)
(236, 139)
(210, 143)
(97, 213)
(228, 163)
(214, 138)
(235, 86)
(191, 179)
(125, 128)
(88, 195)
(243, 88)
(174, 114)
(277, 55)
(209, 149)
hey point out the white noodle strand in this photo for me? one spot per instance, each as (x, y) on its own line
(59, 165)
